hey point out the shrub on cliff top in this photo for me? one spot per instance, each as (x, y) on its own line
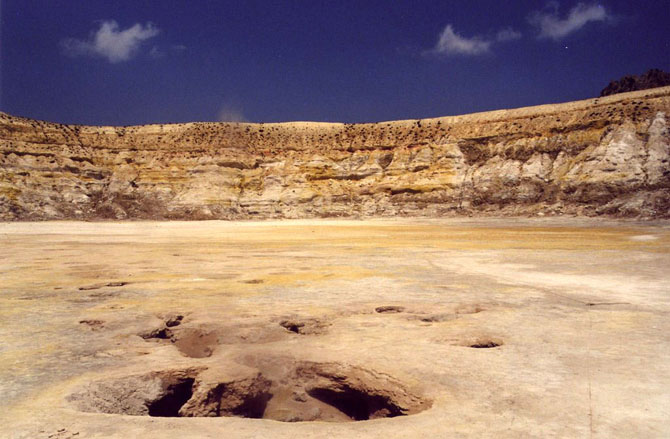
(653, 78)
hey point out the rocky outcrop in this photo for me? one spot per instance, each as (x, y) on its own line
(606, 156)
(652, 79)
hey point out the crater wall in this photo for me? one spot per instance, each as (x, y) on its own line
(605, 156)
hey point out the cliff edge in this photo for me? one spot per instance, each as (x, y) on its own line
(604, 156)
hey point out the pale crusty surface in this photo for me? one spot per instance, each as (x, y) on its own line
(578, 307)
(605, 156)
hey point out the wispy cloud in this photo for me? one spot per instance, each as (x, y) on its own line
(552, 26)
(230, 113)
(110, 42)
(507, 34)
(156, 52)
(452, 43)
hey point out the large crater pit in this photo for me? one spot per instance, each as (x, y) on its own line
(292, 392)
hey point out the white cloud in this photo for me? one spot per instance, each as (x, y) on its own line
(507, 34)
(552, 26)
(110, 42)
(451, 43)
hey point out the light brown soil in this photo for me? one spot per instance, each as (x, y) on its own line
(388, 328)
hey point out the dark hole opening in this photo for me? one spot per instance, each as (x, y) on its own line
(485, 345)
(253, 407)
(292, 326)
(174, 321)
(389, 309)
(175, 397)
(161, 333)
(356, 404)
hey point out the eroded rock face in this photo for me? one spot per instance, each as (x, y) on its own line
(602, 156)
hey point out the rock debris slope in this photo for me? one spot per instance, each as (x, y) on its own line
(605, 156)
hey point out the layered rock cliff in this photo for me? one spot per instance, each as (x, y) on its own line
(605, 156)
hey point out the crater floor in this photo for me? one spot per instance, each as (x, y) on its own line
(548, 327)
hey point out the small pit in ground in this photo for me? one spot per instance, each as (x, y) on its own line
(98, 286)
(485, 344)
(193, 342)
(158, 333)
(304, 391)
(305, 326)
(389, 309)
(94, 325)
(292, 326)
(190, 342)
(164, 332)
(173, 320)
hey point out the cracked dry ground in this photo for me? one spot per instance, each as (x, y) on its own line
(386, 328)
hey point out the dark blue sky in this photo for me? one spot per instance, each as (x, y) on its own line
(350, 61)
